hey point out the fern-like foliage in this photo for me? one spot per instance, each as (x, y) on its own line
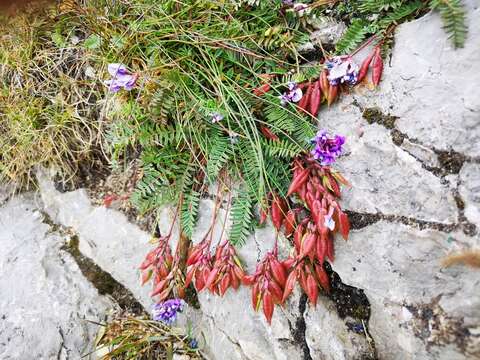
(453, 15)
(376, 6)
(241, 218)
(220, 153)
(399, 13)
(189, 212)
(353, 36)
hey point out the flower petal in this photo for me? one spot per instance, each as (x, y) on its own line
(117, 69)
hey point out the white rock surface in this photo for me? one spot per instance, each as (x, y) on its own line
(418, 308)
(470, 191)
(46, 303)
(105, 235)
(432, 87)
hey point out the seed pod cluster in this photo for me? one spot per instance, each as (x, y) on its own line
(160, 265)
(268, 283)
(376, 62)
(216, 274)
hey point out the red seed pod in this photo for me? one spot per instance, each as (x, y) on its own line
(256, 297)
(321, 247)
(297, 237)
(344, 224)
(199, 282)
(234, 280)
(276, 292)
(164, 294)
(312, 289)
(261, 90)
(239, 273)
(322, 277)
(159, 287)
(224, 284)
(211, 279)
(268, 306)
(146, 275)
(377, 67)
(298, 181)
(316, 98)
(334, 185)
(302, 192)
(332, 94)
(308, 244)
(268, 133)
(304, 102)
(330, 248)
(248, 280)
(287, 264)
(194, 256)
(364, 68)
(278, 272)
(263, 215)
(189, 276)
(302, 280)
(290, 222)
(278, 211)
(289, 285)
(324, 83)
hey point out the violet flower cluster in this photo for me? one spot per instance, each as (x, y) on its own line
(121, 78)
(327, 149)
(216, 117)
(294, 94)
(167, 311)
(342, 70)
(300, 8)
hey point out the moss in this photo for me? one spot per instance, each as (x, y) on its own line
(451, 162)
(397, 137)
(103, 281)
(375, 115)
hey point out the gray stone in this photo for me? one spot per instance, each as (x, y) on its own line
(422, 153)
(329, 338)
(385, 178)
(105, 235)
(46, 303)
(432, 87)
(470, 191)
(418, 308)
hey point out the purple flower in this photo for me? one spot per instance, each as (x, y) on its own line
(329, 222)
(287, 2)
(121, 78)
(327, 149)
(342, 70)
(294, 94)
(216, 117)
(301, 9)
(167, 311)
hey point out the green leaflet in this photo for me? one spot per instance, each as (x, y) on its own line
(453, 16)
(189, 212)
(241, 217)
(353, 36)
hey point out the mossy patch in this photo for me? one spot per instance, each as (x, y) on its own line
(102, 280)
(375, 115)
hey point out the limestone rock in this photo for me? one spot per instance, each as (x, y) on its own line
(432, 87)
(418, 308)
(46, 303)
(105, 235)
(470, 191)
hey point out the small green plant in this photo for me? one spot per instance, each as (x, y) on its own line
(373, 17)
(47, 107)
(138, 338)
